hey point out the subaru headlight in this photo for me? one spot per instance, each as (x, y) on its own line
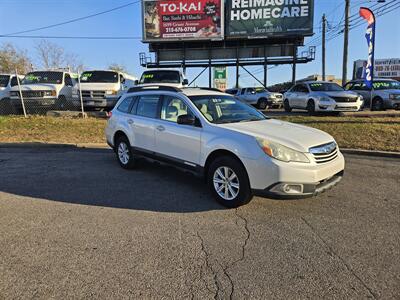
(111, 92)
(50, 93)
(281, 152)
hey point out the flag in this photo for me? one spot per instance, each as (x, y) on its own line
(369, 16)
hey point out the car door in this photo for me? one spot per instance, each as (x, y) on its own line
(68, 87)
(302, 96)
(142, 123)
(293, 96)
(177, 142)
(361, 88)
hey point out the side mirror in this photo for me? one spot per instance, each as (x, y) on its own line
(253, 92)
(123, 80)
(186, 120)
(185, 82)
(136, 82)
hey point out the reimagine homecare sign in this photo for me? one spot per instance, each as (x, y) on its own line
(265, 18)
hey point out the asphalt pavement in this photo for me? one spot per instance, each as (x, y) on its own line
(73, 224)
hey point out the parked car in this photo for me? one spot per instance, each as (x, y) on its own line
(260, 97)
(7, 81)
(238, 150)
(386, 93)
(321, 96)
(166, 77)
(233, 91)
(45, 89)
(101, 89)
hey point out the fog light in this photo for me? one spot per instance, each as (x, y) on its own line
(288, 189)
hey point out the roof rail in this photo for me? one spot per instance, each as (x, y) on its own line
(154, 88)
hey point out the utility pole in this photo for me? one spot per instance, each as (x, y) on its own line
(323, 47)
(346, 42)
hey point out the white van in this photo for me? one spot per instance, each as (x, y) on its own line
(173, 78)
(45, 89)
(7, 81)
(101, 89)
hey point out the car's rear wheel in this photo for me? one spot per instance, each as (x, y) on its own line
(286, 106)
(311, 107)
(262, 104)
(124, 154)
(228, 182)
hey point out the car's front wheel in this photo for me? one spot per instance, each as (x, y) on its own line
(228, 182)
(286, 106)
(262, 104)
(124, 154)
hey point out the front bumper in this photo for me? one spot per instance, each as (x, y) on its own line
(269, 177)
(42, 102)
(108, 102)
(339, 106)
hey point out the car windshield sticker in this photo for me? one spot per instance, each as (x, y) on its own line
(32, 77)
(316, 84)
(86, 76)
(381, 85)
(148, 76)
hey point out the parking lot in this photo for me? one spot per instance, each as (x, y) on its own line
(75, 225)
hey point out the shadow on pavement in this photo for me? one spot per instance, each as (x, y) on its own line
(93, 177)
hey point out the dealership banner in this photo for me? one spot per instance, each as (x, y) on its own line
(182, 20)
(220, 78)
(383, 68)
(265, 18)
(369, 16)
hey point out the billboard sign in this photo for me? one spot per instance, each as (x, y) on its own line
(268, 18)
(383, 68)
(220, 78)
(174, 20)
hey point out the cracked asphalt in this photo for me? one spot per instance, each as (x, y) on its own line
(73, 224)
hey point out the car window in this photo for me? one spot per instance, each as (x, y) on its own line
(250, 90)
(243, 91)
(296, 88)
(172, 108)
(125, 105)
(14, 81)
(302, 89)
(68, 80)
(358, 86)
(348, 86)
(148, 106)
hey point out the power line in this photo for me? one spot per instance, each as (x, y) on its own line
(72, 20)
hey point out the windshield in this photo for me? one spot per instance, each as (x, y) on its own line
(386, 85)
(160, 77)
(225, 109)
(43, 77)
(325, 87)
(4, 79)
(100, 76)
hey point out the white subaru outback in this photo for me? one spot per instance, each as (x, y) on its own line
(238, 150)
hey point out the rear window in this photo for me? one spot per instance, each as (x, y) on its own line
(160, 77)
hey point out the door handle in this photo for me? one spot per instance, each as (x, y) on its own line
(130, 122)
(160, 128)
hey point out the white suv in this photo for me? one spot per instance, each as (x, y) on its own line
(238, 150)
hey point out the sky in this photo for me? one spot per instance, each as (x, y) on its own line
(20, 15)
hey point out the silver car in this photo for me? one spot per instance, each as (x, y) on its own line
(321, 96)
(259, 97)
(386, 93)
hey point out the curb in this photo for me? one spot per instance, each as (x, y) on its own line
(371, 153)
(40, 145)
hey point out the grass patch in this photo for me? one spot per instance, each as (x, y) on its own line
(359, 133)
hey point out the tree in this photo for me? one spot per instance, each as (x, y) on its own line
(53, 56)
(12, 59)
(117, 68)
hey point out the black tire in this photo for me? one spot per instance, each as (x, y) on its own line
(244, 194)
(262, 104)
(377, 104)
(311, 107)
(286, 106)
(130, 163)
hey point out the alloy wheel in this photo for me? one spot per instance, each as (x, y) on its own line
(226, 183)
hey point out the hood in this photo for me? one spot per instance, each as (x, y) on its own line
(297, 137)
(337, 94)
(36, 87)
(99, 86)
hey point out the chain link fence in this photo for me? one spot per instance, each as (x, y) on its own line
(49, 92)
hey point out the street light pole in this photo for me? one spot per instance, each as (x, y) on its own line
(346, 42)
